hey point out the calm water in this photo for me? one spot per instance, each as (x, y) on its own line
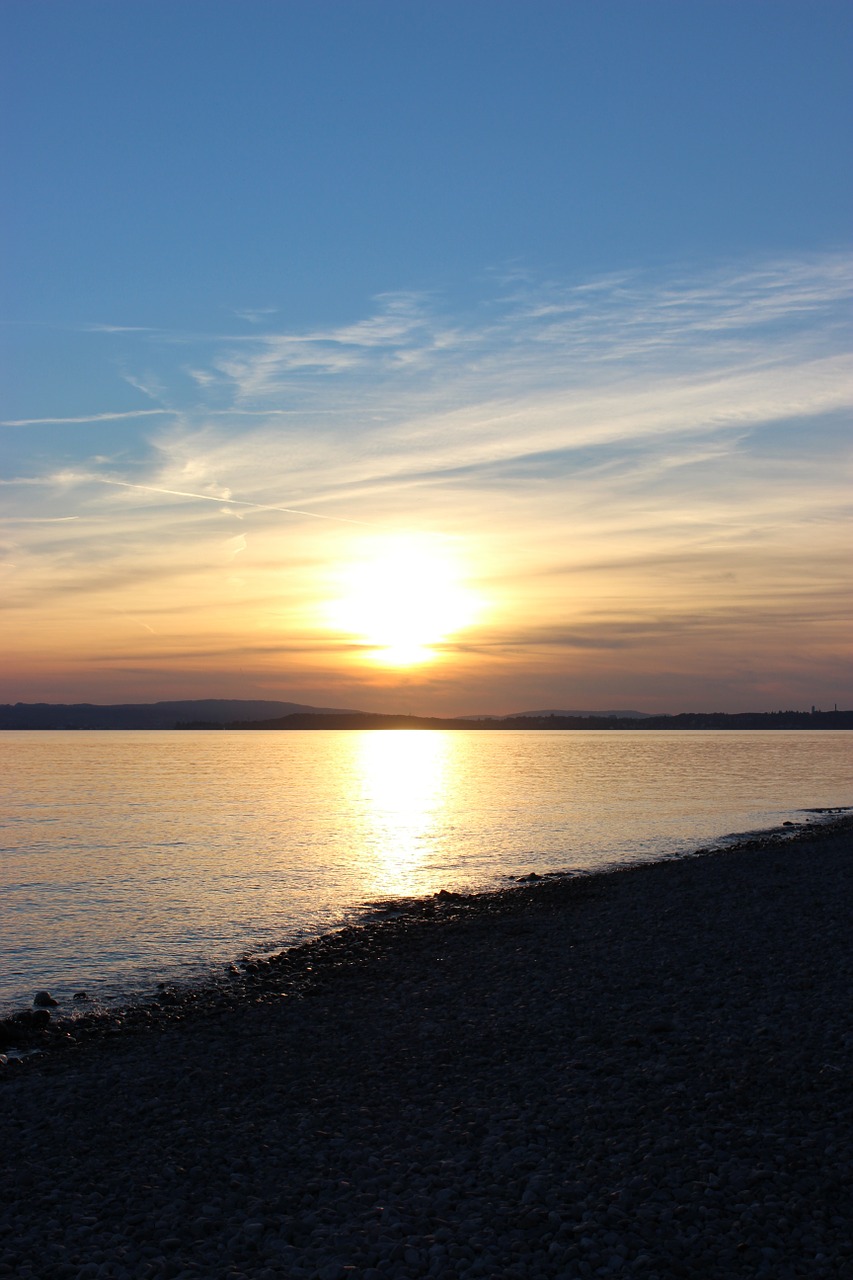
(131, 857)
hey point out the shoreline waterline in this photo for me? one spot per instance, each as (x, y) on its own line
(290, 970)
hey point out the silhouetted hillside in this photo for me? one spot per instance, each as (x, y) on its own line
(361, 720)
(156, 715)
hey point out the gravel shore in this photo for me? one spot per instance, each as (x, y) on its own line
(642, 1073)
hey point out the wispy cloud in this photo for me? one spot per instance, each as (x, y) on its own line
(117, 328)
(87, 418)
(398, 330)
(149, 384)
(256, 315)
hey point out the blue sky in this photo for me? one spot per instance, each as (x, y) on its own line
(561, 288)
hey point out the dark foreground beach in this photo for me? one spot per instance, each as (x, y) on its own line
(644, 1073)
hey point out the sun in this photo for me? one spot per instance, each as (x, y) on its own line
(402, 598)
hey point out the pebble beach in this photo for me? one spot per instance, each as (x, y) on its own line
(645, 1072)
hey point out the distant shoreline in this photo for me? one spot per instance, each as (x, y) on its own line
(235, 714)
(819, 720)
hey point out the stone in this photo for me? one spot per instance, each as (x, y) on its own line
(332, 1271)
(30, 1019)
(44, 1000)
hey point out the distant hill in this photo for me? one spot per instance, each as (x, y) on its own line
(149, 715)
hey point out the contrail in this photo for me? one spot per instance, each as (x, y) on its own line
(232, 502)
(88, 417)
(37, 519)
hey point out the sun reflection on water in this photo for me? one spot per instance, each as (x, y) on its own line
(402, 779)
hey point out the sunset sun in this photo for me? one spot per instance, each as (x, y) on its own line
(403, 598)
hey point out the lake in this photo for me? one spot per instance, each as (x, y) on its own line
(132, 857)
